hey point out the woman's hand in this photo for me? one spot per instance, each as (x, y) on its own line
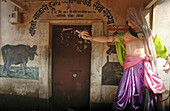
(167, 62)
(84, 34)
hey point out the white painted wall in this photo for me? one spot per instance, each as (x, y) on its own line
(161, 20)
(161, 26)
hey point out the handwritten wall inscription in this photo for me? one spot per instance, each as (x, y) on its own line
(51, 8)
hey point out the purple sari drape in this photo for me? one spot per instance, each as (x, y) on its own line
(137, 74)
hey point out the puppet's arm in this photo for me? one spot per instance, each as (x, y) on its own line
(86, 35)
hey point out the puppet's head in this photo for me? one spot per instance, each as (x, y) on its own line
(134, 16)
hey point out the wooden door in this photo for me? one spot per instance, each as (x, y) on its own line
(71, 67)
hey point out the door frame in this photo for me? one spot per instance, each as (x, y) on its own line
(45, 77)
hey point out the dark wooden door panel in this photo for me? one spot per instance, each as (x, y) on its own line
(71, 67)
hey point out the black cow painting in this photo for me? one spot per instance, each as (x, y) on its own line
(17, 54)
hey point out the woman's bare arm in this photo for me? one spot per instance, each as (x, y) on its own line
(86, 35)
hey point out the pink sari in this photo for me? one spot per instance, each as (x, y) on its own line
(151, 80)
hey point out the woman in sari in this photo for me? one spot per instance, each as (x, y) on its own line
(135, 49)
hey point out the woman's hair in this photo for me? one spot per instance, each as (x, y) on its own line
(135, 16)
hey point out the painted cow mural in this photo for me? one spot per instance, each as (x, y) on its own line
(17, 54)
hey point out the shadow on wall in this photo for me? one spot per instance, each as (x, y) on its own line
(160, 2)
(18, 55)
(111, 71)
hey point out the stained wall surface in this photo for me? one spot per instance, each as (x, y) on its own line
(15, 34)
